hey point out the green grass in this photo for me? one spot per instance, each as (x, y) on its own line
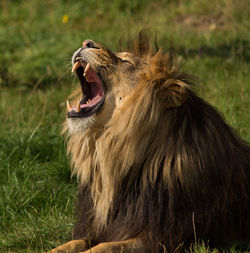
(37, 193)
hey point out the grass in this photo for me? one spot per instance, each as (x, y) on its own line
(36, 43)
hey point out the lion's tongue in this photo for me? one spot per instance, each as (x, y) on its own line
(94, 101)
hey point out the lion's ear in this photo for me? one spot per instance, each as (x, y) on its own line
(168, 83)
(172, 91)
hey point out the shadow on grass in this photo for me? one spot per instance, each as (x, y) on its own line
(237, 48)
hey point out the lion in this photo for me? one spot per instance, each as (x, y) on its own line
(158, 167)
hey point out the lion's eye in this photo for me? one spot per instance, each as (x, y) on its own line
(126, 61)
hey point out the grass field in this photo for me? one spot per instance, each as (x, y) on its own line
(37, 39)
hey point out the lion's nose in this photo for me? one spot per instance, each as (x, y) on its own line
(88, 44)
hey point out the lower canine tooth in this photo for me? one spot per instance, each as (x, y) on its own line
(68, 106)
(78, 107)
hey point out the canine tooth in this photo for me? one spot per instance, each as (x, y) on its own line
(86, 69)
(76, 65)
(68, 106)
(78, 107)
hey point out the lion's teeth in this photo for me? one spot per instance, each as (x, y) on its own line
(86, 69)
(68, 106)
(78, 107)
(88, 101)
(87, 78)
(76, 66)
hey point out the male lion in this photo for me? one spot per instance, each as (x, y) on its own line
(158, 166)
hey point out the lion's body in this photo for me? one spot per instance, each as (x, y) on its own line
(161, 165)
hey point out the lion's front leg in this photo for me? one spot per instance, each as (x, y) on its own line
(128, 246)
(73, 246)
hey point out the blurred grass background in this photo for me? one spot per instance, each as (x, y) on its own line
(37, 39)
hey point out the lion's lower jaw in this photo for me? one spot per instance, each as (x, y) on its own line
(79, 125)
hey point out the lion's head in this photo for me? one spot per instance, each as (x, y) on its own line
(155, 157)
(106, 80)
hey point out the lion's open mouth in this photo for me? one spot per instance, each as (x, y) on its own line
(93, 92)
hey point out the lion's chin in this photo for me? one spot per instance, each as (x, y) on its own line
(80, 125)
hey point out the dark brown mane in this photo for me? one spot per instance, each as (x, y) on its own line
(140, 46)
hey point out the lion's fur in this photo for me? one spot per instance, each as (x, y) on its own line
(163, 164)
